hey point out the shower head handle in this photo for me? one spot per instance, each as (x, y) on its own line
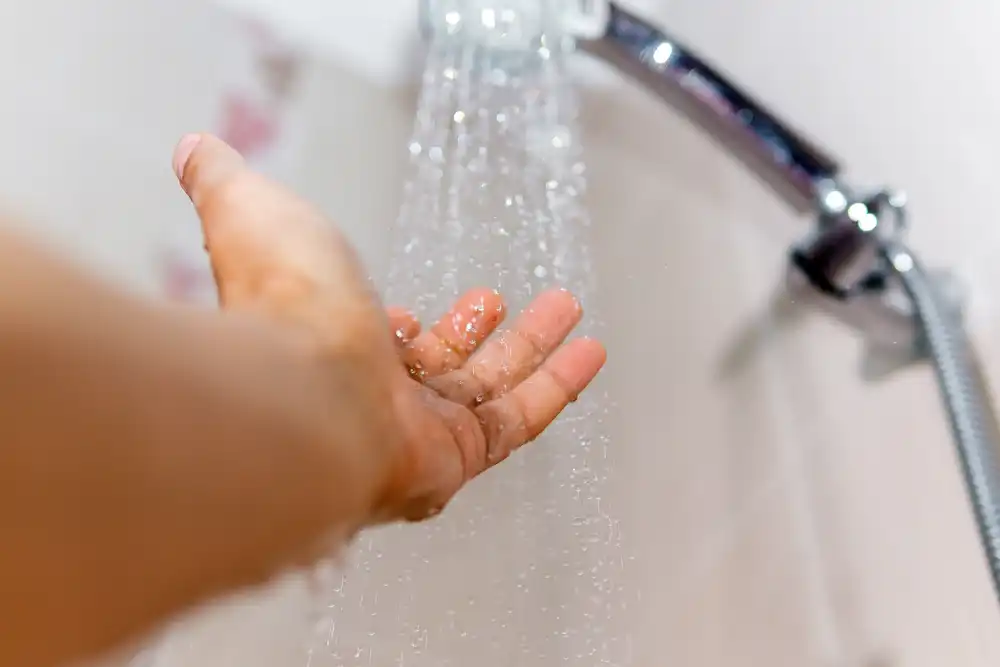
(840, 257)
(792, 165)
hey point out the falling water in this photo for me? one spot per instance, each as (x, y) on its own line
(525, 567)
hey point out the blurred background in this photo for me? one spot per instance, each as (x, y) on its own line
(780, 511)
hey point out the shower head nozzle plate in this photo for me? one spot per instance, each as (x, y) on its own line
(512, 23)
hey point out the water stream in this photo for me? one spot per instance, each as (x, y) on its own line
(525, 567)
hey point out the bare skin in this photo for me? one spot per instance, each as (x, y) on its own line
(152, 457)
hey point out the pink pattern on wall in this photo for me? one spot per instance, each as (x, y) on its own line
(184, 280)
(253, 118)
(247, 127)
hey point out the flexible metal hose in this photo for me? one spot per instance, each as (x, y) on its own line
(965, 395)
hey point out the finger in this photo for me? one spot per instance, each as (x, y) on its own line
(269, 249)
(404, 325)
(505, 361)
(456, 335)
(520, 416)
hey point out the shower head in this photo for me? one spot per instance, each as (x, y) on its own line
(515, 24)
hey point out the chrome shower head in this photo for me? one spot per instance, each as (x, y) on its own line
(514, 24)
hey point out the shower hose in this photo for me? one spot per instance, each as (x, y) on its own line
(965, 394)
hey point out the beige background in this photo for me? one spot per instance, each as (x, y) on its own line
(782, 512)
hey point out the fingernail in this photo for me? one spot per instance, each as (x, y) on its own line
(215, 163)
(183, 153)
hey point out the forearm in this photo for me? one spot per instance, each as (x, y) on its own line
(149, 459)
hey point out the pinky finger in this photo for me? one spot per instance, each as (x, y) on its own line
(521, 415)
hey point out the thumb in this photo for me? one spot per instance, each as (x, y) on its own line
(269, 249)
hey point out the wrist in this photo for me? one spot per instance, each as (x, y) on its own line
(361, 439)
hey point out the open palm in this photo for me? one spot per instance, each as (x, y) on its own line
(440, 405)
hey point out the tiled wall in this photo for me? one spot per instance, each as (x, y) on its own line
(782, 512)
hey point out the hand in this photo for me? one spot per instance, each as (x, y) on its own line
(432, 409)
(471, 400)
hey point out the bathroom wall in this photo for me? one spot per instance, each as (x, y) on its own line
(781, 511)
